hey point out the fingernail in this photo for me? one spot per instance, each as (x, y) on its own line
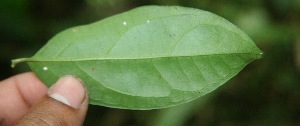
(68, 90)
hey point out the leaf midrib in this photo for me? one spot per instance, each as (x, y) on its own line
(140, 58)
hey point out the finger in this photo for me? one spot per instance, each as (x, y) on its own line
(17, 95)
(65, 104)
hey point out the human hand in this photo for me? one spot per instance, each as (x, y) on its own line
(25, 100)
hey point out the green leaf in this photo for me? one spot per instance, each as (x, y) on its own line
(147, 58)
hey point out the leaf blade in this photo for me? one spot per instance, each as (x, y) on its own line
(147, 58)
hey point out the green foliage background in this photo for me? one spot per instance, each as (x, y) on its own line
(266, 92)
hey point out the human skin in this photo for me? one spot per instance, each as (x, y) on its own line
(25, 100)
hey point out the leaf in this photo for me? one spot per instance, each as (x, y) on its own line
(147, 58)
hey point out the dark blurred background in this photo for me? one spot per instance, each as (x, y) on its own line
(266, 92)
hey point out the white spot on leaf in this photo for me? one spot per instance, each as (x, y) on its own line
(148, 21)
(124, 23)
(45, 68)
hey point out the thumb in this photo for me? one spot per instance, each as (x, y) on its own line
(65, 104)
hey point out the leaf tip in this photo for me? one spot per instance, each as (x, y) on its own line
(14, 62)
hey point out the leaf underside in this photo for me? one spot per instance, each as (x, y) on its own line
(149, 57)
